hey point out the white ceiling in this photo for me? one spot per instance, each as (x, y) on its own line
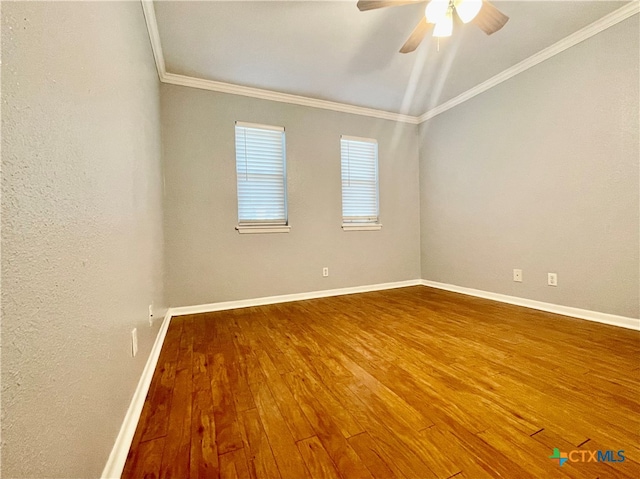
(332, 51)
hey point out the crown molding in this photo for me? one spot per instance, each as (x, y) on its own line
(154, 36)
(581, 35)
(233, 89)
(589, 31)
(211, 85)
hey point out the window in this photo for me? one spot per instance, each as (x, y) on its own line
(359, 183)
(262, 178)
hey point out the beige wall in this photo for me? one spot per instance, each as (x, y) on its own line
(81, 229)
(208, 261)
(541, 173)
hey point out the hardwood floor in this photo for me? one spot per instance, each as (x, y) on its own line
(412, 382)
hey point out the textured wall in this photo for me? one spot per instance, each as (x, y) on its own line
(541, 173)
(208, 261)
(81, 229)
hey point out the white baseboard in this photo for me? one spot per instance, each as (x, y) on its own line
(117, 458)
(611, 319)
(115, 464)
(286, 298)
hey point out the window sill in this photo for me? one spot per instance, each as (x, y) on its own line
(262, 229)
(362, 227)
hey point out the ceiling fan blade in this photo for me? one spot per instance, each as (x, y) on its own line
(416, 36)
(490, 19)
(364, 5)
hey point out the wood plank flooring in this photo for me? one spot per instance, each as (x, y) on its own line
(406, 383)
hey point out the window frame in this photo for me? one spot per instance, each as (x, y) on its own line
(264, 225)
(375, 224)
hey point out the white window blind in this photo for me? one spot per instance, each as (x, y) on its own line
(261, 174)
(359, 180)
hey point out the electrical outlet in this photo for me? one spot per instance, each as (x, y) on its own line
(134, 342)
(151, 315)
(325, 272)
(517, 275)
(552, 279)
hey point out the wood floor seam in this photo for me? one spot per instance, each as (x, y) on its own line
(405, 383)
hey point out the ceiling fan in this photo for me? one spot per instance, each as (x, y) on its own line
(440, 14)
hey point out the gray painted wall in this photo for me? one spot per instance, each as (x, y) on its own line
(208, 261)
(81, 229)
(503, 184)
(541, 173)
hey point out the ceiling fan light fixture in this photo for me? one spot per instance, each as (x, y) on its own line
(468, 9)
(436, 11)
(444, 28)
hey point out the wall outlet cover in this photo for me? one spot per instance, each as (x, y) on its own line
(517, 275)
(134, 342)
